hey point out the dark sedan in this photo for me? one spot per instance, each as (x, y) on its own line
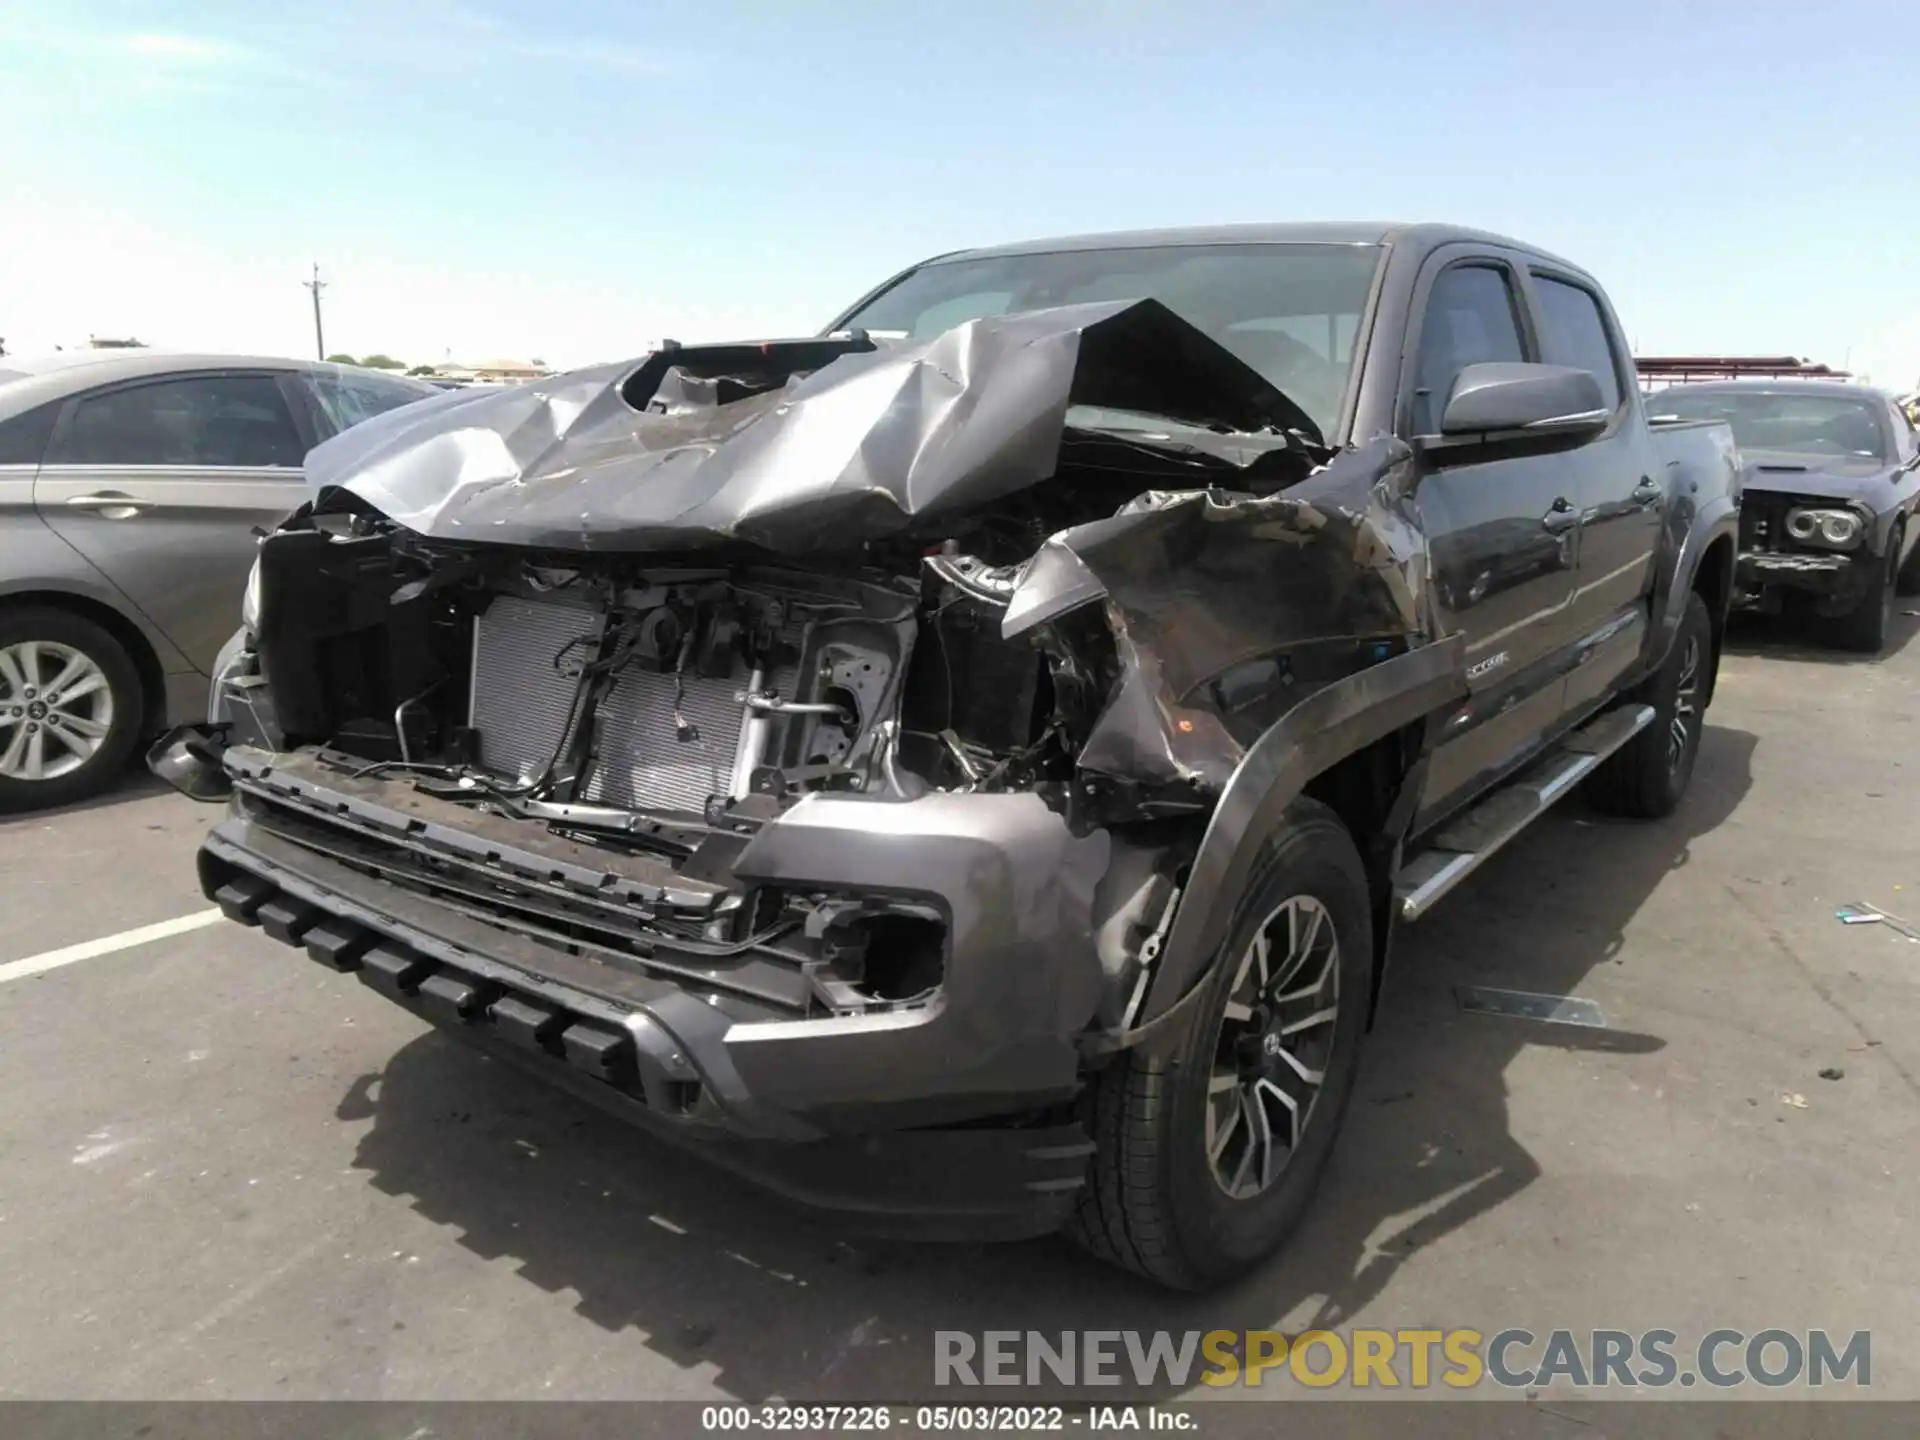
(1832, 484)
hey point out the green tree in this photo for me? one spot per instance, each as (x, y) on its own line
(381, 362)
(423, 370)
(341, 358)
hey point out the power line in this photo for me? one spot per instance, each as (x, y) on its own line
(316, 285)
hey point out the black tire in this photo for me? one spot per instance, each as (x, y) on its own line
(1153, 1202)
(1906, 580)
(1646, 778)
(1866, 627)
(24, 718)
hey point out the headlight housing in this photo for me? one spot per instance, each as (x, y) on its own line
(250, 601)
(1827, 528)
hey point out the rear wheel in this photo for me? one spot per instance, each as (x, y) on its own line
(1866, 627)
(1646, 777)
(70, 708)
(1206, 1157)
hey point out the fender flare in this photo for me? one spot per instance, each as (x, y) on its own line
(1326, 727)
(1719, 517)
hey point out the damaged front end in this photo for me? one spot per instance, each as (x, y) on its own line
(796, 741)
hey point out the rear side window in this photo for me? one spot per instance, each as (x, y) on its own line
(1573, 332)
(1471, 320)
(23, 439)
(350, 399)
(226, 421)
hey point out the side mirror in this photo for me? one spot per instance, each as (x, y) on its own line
(1520, 403)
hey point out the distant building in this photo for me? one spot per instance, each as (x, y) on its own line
(494, 372)
(1659, 371)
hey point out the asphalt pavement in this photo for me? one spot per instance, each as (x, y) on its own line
(225, 1173)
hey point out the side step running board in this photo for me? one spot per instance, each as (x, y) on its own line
(1456, 852)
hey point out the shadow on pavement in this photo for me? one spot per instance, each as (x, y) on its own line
(708, 1272)
(138, 783)
(1808, 639)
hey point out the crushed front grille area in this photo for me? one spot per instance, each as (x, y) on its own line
(526, 655)
(641, 920)
(594, 1048)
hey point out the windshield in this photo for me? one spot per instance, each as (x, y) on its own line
(1292, 312)
(1842, 425)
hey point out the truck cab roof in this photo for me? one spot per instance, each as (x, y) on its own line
(1422, 236)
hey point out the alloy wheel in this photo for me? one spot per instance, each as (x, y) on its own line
(1686, 706)
(1275, 1047)
(56, 709)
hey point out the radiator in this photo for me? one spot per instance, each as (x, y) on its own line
(520, 709)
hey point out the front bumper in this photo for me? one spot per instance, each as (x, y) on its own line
(939, 1120)
(1838, 581)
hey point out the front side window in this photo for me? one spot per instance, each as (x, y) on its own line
(222, 421)
(1471, 319)
(1291, 311)
(1781, 422)
(1907, 439)
(1573, 332)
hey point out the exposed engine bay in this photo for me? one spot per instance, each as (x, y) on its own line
(675, 691)
(655, 631)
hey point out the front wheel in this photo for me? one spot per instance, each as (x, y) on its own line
(1646, 777)
(1865, 628)
(1906, 580)
(70, 708)
(1206, 1157)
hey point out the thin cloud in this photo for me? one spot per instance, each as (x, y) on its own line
(452, 30)
(593, 54)
(191, 49)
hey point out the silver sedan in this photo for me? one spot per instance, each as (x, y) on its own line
(131, 488)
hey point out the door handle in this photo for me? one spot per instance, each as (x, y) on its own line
(113, 503)
(1562, 516)
(1647, 491)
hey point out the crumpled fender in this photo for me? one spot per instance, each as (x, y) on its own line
(1197, 584)
(1328, 726)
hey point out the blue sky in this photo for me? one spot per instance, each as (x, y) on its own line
(577, 178)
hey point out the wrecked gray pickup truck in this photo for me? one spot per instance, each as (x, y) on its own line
(965, 770)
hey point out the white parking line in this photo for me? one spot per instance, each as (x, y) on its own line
(125, 940)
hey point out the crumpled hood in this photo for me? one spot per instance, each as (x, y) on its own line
(1870, 482)
(796, 444)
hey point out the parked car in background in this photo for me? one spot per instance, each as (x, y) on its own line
(131, 488)
(1833, 481)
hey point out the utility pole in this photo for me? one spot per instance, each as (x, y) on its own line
(316, 285)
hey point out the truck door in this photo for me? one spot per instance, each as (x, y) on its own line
(1502, 537)
(1620, 487)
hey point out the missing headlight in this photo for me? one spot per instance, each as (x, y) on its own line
(878, 951)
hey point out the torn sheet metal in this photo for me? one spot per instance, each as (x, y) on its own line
(808, 444)
(1205, 591)
(1529, 1005)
